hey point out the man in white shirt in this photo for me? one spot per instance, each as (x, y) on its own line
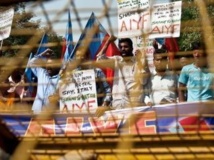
(129, 76)
(163, 84)
(43, 66)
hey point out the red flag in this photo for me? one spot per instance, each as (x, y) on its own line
(171, 44)
(99, 40)
(111, 51)
(172, 47)
(63, 48)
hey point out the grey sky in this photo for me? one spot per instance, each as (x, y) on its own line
(56, 10)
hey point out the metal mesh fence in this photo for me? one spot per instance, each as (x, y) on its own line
(178, 131)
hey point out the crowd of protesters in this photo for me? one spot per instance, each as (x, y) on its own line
(134, 84)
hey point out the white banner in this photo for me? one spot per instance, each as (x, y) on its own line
(133, 18)
(166, 20)
(6, 19)
(136, 18)
(80, 94)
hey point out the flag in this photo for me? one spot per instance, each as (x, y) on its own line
(28, 72)
(43, 44)
(30, 77)
(63, 49)
(97, 39)
(97, 43)
(68, 40)
(172, 47)
(111, 51)
(171, 44)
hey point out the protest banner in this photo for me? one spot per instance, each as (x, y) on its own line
(79, 93)
(6, 19)
(168, 118)
(137, 18)
(166, 20)
(133, 18)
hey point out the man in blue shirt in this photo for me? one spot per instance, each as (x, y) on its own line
(196, 77)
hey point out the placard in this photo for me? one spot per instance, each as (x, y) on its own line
(166, 20)
(80, 93)
(133, 17)
(6, 19)
(138, 17)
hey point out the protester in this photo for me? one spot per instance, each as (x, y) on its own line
(45, 68)
(180, 61)
(184, 60)
(163, 84)
(12, 90)
(103, 89)
(129, 75)
(196, 78)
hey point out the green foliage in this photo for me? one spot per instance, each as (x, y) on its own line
(23, 28)
(55, 41)
(191, 24)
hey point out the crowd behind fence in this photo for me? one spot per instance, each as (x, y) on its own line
(122, 96)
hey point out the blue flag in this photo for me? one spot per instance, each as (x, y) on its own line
(69, 40)
(97, 39)
(28, 72)
(43, 44)
(30, 77)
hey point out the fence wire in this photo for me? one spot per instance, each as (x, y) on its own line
(42, 142)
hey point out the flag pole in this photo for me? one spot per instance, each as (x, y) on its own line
(1, 48)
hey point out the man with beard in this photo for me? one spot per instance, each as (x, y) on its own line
(163, 83)
(47, 72)
(130, 75)
(196, 77)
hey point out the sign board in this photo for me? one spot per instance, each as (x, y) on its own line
(166, 20)
(6, 19)
(133, 17)
(137, 18)
(80, 93)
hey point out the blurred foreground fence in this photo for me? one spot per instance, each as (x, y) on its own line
(170, 131)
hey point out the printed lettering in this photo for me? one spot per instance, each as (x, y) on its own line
(74, 125)
(165, 29)
(109, 126)
(138, 123)
(40, 128)
(132, 24)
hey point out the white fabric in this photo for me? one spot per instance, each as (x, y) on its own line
(162, 87)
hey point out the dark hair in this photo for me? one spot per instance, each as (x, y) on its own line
(128, 40)
(162, 52)
(159, 51)
(197, 45)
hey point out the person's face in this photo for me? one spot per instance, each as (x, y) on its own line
(125, 49)
(80, 55)
(160, 63)
(51, 70)
(183, 61)
(198, 56)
